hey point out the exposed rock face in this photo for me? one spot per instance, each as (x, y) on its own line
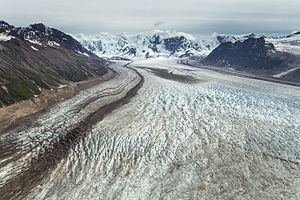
(45, 36)
(155, 39)
(5, 26)
(223, 39)
(293, 34)
(131, 51)
(256, 56)
(122, 41)
(252, 53)
(176, 43)
(38, 57)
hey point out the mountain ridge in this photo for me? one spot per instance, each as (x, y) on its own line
(255, 55)
(37, 57)
(146, 44)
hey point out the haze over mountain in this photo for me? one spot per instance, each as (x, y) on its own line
(193, 16)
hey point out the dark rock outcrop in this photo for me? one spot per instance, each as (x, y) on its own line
(251, 53)
(293, 34)
(256, 56)
(132, 51)
(176, 43)
(155, 39)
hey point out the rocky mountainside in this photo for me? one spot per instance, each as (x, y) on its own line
(257, 56)
(37, 57)
(147, 45)
(253, 52)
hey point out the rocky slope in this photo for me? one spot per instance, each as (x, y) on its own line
(257, 56)
(37, 57)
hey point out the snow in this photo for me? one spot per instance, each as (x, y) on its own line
(223, 137)
(61, 118)
(237, 37)
(5, 37)
(174, 140)
(53, 44)
(285, 72)
(109, 45)
(62, 86)
(34, 48)
(85, 54)
(34, 41)
(158, 61)
(290, 45)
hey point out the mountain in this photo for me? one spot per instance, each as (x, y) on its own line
(175, 44)
(38, 57)
(257, 56)
(287, 43)
(296, 33)
(253, 52)
(223, 38)
(147, 44)
(274, 55)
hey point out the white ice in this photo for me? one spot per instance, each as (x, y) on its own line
(223, 137)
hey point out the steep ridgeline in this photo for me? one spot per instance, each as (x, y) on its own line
(257, 56)
(38, 57)
(147, 45)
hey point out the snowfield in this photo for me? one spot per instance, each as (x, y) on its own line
(290, 45)
(221, 137)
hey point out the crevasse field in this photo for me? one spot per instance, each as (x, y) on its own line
(216, 137)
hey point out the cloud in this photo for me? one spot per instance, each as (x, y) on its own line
(117, 16)
(159, 24)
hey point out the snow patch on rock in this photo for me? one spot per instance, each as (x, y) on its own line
(285, 72)
(53, 44)
(85, 54)
(5, 37)
(34, 48)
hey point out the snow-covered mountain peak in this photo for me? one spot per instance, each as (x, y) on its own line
(41, 35)
(148, 44)
(3, 24)
(222, 38)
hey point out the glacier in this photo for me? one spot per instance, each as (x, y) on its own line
(221, 137)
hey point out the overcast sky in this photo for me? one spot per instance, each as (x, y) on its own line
(193, 16)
